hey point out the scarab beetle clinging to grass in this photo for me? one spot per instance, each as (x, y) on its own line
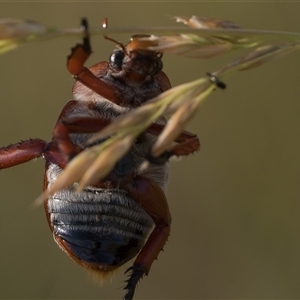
(126, 215)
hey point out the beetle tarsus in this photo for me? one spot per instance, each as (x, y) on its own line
(86, 35)
(137, 273)
(80, 53)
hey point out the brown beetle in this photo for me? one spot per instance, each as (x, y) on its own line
(107, 224)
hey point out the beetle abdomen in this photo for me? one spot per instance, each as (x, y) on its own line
(102, 227)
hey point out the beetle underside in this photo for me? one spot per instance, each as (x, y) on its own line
(101, 229)
(109, 223)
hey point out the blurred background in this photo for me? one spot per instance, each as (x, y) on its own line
(235, 204)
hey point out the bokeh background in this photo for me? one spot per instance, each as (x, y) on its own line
(235, 204)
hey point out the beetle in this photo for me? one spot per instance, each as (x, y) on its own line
(126, 215)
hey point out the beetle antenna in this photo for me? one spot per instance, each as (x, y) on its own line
(116, 42)
(104, 25)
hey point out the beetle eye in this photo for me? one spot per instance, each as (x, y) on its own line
(116, 59)
(158, 66)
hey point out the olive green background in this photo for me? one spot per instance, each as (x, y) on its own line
(235, 204)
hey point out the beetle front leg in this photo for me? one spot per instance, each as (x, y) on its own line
(75, 64)
(21, 152)
(187, 143)
(153, 200)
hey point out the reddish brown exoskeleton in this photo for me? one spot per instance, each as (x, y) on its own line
(109, 223)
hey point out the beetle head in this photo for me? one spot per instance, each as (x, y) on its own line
(133, 63)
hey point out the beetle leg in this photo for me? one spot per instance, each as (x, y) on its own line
(84, 124)
(62, 139)
(153, 200)
(21, 152)
(72, 120)
(53, 155)
(185, 147)
(187, 143)
(75, 64)
(74, 116)
(64, 127)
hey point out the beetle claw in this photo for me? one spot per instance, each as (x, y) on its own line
(137, 273)
(128, 270)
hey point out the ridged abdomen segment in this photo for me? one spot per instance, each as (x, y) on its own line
(104, 227)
